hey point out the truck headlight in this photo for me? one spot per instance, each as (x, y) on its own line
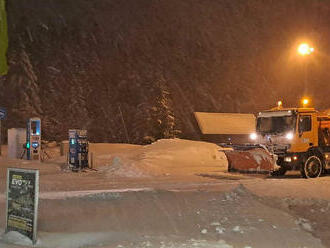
(253, 136)
(287, 159)
(289, 136)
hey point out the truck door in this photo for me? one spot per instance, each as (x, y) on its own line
(306, 132)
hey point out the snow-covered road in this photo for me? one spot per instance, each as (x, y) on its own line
(173, 193)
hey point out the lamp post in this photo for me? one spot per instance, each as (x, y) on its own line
(304, 49)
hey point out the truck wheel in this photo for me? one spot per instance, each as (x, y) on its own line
(280, 172)
(312, 167)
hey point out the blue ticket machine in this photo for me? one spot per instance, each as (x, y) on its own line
(33, 139)
(78, 149)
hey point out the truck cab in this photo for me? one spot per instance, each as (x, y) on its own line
(298, 136)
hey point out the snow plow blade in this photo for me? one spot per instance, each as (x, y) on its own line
(250, 159)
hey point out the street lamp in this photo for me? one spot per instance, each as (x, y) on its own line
(304, 49)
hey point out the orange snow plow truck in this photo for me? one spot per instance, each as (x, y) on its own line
(284, 139)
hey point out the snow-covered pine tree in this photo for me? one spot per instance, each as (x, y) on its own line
(162, 113)
(23, 84)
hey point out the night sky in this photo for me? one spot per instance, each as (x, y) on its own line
(131, 70)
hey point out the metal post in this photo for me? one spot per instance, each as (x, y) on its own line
(306, 77)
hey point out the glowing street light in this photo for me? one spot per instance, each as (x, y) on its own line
(305, 49)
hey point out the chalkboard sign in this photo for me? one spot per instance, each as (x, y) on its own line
(22, 202)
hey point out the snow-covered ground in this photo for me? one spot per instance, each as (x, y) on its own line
(173, 193)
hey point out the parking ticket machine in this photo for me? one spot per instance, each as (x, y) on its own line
(78, 149)
(33, 139)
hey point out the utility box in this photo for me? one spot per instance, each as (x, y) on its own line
(16, 142)
(78, 149)
(33, 139)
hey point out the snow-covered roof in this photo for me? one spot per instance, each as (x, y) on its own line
(225, 123)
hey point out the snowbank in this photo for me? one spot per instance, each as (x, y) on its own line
(16, 238)
(164, 157)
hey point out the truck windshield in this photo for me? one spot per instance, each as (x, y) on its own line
(276, 124)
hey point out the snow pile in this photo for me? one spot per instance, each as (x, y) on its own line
(16, 238)
(121, 166)
(304, 224)
(165, 157)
